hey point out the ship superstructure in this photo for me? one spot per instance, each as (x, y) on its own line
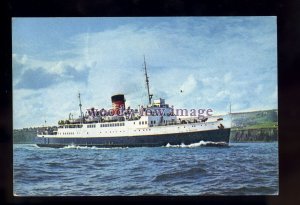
(155, 124)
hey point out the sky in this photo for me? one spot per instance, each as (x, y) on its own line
(192, 62)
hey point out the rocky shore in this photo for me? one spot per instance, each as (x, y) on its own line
(254, 135)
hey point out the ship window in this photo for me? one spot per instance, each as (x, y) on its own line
(134, 123)
(145, 122)
(142, 122)
(139, 122)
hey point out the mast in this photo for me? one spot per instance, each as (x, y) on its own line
(80, 108)
(147, 82)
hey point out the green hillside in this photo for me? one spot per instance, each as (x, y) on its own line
(255, 119)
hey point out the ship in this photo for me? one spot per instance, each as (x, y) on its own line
(155, 124)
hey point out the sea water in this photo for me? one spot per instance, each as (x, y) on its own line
(197, 169)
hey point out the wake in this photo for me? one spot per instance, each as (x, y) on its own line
(87, 147)
(199, 144)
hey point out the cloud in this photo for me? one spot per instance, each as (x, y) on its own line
(214, 61)
(189, 85)
(38, 78)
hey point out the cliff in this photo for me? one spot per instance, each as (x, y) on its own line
(24, 136)
(254, 126)
(254, 135)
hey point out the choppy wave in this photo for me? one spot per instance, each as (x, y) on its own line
(193, 172)
(248, 169)
(198, 144)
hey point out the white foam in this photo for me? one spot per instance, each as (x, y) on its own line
(198, 144)
(86, 147)
(35, 146)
